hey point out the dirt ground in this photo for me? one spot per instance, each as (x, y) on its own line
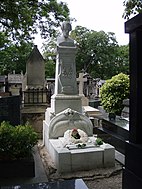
(102, 178)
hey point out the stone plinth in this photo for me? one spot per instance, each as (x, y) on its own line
(75, 159)
(92, 112)
(65, 78)
(61, 102)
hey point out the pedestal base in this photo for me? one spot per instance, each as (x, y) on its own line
(76, 159)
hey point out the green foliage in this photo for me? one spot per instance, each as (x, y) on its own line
(81, 145)
(22, 18)
(99, 53)
(122, 59)
(13, 57)
(99, 141)
(50, 58)
(132, 7)
(49, 69)
(16, 142)
(113, 92)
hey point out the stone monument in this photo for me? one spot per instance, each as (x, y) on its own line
(66, 115)
(35, 70)
(33, 86)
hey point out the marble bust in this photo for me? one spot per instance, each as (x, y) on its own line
(64, 39)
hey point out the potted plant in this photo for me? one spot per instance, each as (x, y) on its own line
(16, 150)
(113, 92)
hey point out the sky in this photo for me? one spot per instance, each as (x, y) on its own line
(98, 15)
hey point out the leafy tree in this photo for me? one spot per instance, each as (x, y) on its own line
(22, 18)
(19, 21)
(99, 53)
(13, 56)
(122, 59)
(132, 7)
(50, 64)
(50, 57)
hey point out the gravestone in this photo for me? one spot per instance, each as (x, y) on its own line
(81, 81)
(125, 111)
(15, 83)
(61, 184)
(2, 83)
(91, 111)
(132, 173)
(66, 113)
(10, 109)
(34, 88)
(35, 70)
(35, 95)
(114, 132)
(94, 99)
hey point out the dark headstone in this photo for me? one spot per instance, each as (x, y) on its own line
(95, 103)
(114, 132)
(66, 184)
(2, 78)
(10, 109)
(132, 174)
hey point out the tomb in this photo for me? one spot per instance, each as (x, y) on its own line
(15, 83)
(66, 114)
(33, 86)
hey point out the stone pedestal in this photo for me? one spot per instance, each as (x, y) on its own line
(88, 158)
(62, 102)
(65, 78)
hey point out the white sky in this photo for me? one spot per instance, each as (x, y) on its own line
(99, 15)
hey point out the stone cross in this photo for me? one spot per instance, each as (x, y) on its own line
(81, 80)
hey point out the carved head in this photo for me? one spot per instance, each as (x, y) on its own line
(66, 28)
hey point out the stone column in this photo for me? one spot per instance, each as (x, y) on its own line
(66, 93)
(65, 80)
